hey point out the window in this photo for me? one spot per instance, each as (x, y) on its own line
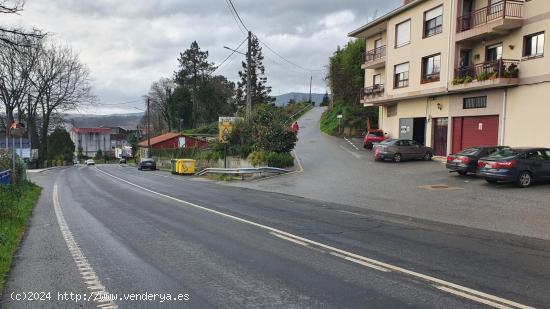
(376, 80)
(431, 67)
(391, 110)
(401, 77)
(403, 33)
(533, 45)
(494, 52)
(475, 102)
(433, 21)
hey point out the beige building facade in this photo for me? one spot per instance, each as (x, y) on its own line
(458, 73)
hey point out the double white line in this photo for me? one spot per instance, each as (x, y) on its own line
(442, 285)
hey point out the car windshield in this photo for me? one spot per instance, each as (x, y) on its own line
(376, 133)
(147, 160)
(388, 142)
(504, 153)
(469, 152)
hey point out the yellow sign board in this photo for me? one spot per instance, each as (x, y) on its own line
(226, 125)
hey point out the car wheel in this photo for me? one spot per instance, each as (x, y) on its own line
(462, 173)
(525, 179)
(397, 158)
(428, 156)
(489, 180)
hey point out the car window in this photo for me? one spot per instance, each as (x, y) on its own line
(469, 152)
(504, 153)
(405, 143)
(535, 155)
(376, 133)
(547, 153)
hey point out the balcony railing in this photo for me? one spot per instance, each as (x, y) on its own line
(501, 9)
(373, 91)
(374, 54)
(502, 68)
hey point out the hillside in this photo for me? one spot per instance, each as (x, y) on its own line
(127, 121)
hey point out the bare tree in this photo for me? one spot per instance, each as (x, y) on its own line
(17, 36)
(162, 104)
(17, 64)
(61, 83)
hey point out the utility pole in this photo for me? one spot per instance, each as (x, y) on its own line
(248, 77)
(148, 129)
(310, 81)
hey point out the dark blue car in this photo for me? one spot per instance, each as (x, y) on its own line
(522, 166)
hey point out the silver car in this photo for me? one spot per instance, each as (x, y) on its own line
(398, 150)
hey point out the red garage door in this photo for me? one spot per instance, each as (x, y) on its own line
(474, 131)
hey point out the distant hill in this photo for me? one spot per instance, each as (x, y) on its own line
(282, 100)
(126, 121)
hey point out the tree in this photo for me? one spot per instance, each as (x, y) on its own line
(17, 65)
(260, 92)
(326, 100)
(17, 37)
(345, 75)
(60, 145)
(161, 100)
(194, 71)
(61, 83)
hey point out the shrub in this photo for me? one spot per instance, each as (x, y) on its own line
(468, 79)
(482, 76)
(271, 159)
(6, 164)
(458, 81)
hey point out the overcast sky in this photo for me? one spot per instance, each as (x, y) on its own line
(128, 44)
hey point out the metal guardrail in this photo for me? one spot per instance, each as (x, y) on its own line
(5, 177)
(242, 171)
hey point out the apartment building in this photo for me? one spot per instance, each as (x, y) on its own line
(457, 73)
(91, 140)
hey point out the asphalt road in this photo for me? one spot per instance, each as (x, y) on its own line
(114, 229)
(340, 171)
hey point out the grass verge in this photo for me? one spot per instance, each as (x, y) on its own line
(16, 205)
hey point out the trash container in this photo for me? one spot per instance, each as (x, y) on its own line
(174, 166)
(187, 166)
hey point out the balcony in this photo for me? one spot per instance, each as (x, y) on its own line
(375, 58)
(491, 74)
(369, 94)
(496, 19)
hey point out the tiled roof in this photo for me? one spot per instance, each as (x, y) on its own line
(91, 130)
(159, 139)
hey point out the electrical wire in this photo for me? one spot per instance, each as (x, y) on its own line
(286, 60)
(234, 17)
(230, 55)
(237, 13)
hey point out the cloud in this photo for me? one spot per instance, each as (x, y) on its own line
(128, 44)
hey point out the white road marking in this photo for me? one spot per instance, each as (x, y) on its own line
(467, 292)
(351, 143)
(478, 299)
(301, 243)
(360, 262)
(350, 152)
(88, 275)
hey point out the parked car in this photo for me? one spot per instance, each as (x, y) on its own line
(90, 162)
(122, 161)
(147, 163)
(523, 166)
(75, 162)
(465, 161)
(371, 137)
(401, 149)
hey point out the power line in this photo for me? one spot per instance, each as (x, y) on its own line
(234, 17)
(238, 16)
(230, 55)
(121, 103)
(285, 59)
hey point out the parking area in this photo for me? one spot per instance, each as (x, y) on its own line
(340, 171)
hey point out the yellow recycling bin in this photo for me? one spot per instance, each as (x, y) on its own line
(186, 166)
